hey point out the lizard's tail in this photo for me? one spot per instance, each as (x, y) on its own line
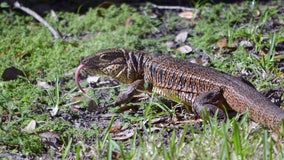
(260, 109)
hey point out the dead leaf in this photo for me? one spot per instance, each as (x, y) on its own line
(191, 121)
(43, 84)
(54, 15)
(49, 135)
(156, 129)
(51, 138)
(246, 44)
(233, 45)
(78, 99)
(93, 79)
(104, 5)
(126, 108)
(115, 154)
(128, 21)
(75, 108)
(262, 53)
(123, 135)
(169, 44)
(181, 37)
(188, 14)
(12, 73)
(185, 49)
(31, 126)
(222, 42)
(114, 128)
(54, 110)
(92, 106)
(279, 57)
(281, 75)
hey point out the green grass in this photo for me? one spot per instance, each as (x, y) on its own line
(29, 46)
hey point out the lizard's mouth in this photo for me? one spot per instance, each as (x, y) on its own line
(77, 73)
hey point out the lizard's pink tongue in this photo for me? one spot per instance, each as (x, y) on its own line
(77, 73)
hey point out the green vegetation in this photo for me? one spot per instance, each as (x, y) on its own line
(29, 46)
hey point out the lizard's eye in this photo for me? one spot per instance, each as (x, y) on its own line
(105, 57)
(85, 61)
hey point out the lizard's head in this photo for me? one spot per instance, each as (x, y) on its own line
(111, 62)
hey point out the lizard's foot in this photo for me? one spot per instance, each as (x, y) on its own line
(123, 97)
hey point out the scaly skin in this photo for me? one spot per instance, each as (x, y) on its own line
(180, 80)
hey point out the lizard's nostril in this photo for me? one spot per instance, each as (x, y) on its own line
(82, 59)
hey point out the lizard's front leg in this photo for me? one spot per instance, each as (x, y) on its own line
(125, 95)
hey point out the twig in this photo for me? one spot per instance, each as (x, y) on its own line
(55, 33)
(172, 7)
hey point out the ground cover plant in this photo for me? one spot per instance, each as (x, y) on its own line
(43, 114)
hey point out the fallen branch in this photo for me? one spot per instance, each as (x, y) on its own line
(172, 7)
(54, 32)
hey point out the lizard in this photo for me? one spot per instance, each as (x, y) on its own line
(193, 85)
